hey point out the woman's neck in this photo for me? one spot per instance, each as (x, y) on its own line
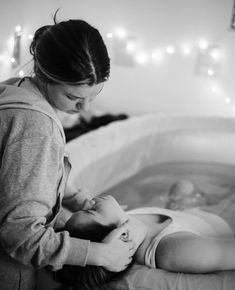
(143, 229)
(138, 230)
(41, 86)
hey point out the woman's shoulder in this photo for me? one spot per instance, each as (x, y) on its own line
(26, 123)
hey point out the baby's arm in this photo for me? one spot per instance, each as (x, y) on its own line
(190, 253)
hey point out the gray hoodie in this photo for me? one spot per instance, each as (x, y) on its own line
(33, 175)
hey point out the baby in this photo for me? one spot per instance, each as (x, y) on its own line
(183, 195)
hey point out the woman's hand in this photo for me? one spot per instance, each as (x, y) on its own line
(112, 253)
(118, 254)
(84, 199)
(77, 199)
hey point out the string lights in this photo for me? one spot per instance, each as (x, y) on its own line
(208, 63)
(210, 56)
(10, 56)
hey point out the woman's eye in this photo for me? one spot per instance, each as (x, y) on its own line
(91, 209)
(71, 97)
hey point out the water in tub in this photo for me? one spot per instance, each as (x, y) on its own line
(182, 185)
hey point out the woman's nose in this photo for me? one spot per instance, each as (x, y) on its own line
(88, 204)
(85, 105)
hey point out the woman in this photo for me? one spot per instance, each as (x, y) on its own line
(71, 64)
(191, 241)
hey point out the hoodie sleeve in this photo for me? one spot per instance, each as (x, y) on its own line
(30, 176)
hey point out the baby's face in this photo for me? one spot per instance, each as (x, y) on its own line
(103, 210)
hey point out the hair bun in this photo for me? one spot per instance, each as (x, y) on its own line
(37, 36)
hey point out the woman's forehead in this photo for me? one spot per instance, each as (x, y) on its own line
(84, 91)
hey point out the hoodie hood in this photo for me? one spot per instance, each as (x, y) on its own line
(26, 97)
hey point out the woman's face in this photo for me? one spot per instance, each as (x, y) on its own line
(104, 210)
(72, 99)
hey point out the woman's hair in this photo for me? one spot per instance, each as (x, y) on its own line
(70, 52)
(88, 277)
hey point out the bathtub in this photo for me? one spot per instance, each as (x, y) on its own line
(110, 155)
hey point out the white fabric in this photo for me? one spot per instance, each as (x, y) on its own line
(193, 221)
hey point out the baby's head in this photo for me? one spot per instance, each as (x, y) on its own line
(183, 195)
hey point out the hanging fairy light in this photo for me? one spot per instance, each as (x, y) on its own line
(215, 54)
(131, 46)
(109, 35)
(210, 72)
(21, 73)
(203, 44)
(141, 57)
(30, 36)
(18, 30)
(121, 33)
(12, 60)
(170, 49)
(157, 56)
(185, 48)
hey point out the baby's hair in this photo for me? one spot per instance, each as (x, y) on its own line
(69, 52)
(88, 277)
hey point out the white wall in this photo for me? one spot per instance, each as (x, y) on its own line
(171, 87)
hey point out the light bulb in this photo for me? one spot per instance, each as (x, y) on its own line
(12, 60)
(203, 44)
(131, 46)
(121, 33)
(210, 72)
(170, 49)
(157, 55)
(18, 28)
(141, 57)
(215, 54)
(21, 73)
(109, 35)
(186, 49)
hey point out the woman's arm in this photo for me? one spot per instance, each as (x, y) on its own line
(190, 253)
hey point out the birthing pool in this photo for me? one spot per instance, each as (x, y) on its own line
(138, 159)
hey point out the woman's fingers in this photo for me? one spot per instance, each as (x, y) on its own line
(88, 204)
(118, 232)
(119, 253)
